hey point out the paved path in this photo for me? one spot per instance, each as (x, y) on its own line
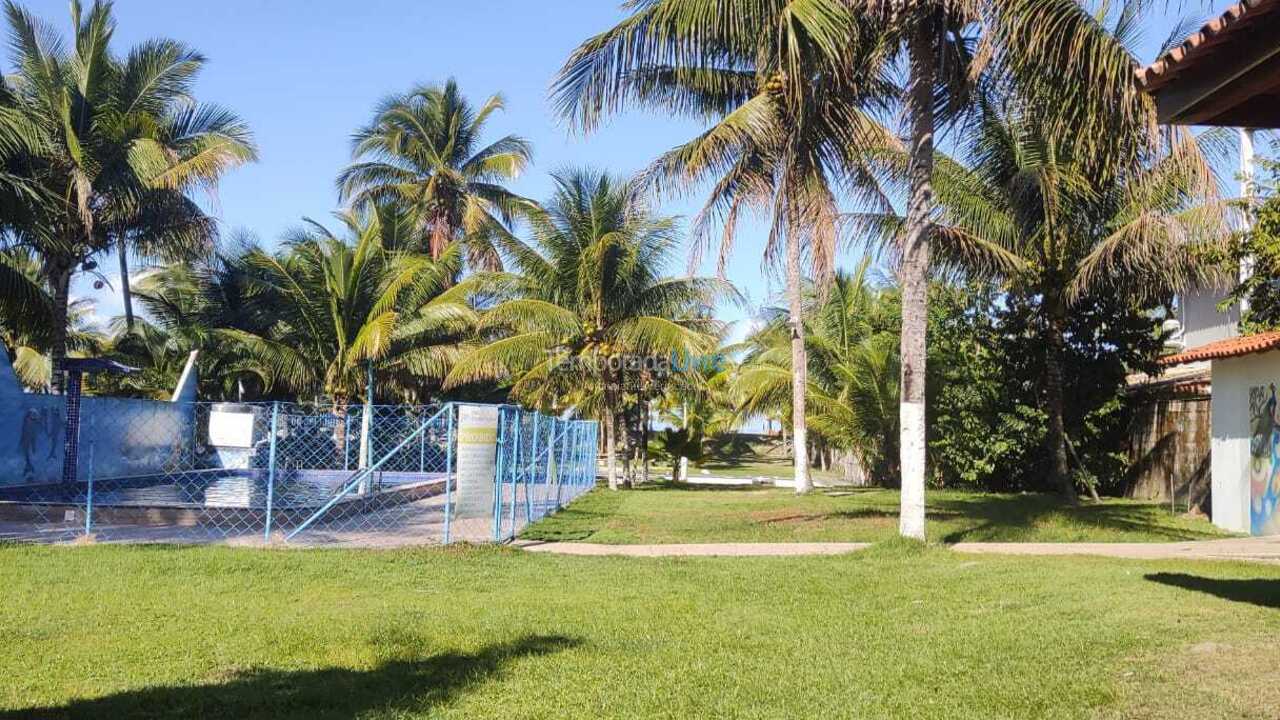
(1251, 549)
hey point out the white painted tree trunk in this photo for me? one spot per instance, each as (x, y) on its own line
(611, 450)
(915, 282)
(799, 366)
(644, 445)
(682, 473)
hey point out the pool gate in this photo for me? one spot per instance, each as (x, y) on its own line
(130, 470)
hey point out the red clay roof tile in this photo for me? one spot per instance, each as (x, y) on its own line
(1231, 347)
(1171, 63)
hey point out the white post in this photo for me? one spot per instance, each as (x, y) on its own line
(1246, 193)
(185, 390)
(684, 461)
(366, 428)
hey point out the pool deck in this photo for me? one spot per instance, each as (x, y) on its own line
(408, 524)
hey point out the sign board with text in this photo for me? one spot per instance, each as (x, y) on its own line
(476, 463)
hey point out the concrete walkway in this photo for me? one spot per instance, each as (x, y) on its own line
(1250, 549)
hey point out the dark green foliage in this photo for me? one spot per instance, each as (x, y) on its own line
(1260, 247)
(976, 434)
(987, 362)
(675, 443)
(421, 167)
(851, 340)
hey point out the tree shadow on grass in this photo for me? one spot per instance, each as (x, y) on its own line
(394, 688)
(696, 487)
(1003, 517)
(730, 448)
(727, 463)
(1256, 591)
(853, 514)
(576, 521)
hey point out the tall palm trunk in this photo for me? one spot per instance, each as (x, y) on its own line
(61, 281)
(341, 412)
(122, 250)
(1057, 436)
(799, 365)
(628, 452)
(611, 447)
(610, 434)
(644, 445)
(915, 280)
(682, 463)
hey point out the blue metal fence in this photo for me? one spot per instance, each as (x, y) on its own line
(284, 472)
(543, 463)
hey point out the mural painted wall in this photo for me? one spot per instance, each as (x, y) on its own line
(1264, 461)
(127, 437)
(137, 437)
(31, 434)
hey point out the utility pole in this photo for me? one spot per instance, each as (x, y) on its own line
(1247, 187)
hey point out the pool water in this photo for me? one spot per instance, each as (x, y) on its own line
(217, 488)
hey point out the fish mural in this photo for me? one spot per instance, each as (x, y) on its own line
(1264, 461)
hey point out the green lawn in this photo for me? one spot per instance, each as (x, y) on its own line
(766, 468)
(894, 632)
(664, 513)
(743, 456)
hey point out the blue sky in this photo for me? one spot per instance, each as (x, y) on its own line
(306, 74)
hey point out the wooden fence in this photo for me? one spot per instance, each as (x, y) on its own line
(1169, 442)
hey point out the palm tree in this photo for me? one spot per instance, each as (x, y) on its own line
(189, 306)
(697, 403)
(587, 299)
(122, 143)
(788, 91)
(1034, 208)
(340, 305)
(851, 338)
(26, 308)
(689, 56)
(1059, 55)
(157, 354)
(422, 155)
(20, 194)
(26, 325)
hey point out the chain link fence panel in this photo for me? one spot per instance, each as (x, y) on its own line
(128, 470)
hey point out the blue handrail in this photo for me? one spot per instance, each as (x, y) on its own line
(360, 475)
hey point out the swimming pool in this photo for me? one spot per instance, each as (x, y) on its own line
(293, 490)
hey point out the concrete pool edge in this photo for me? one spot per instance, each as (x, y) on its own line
(194, 515)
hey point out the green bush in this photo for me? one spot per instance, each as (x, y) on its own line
(988, 423)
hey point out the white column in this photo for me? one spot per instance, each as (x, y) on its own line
(1247, 185)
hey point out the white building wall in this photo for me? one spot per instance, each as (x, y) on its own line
(1202, 322)
(1232, 379)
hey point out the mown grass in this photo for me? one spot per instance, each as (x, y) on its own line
(762, 468)
(666, 513)
(746, 456)
(898, 631)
